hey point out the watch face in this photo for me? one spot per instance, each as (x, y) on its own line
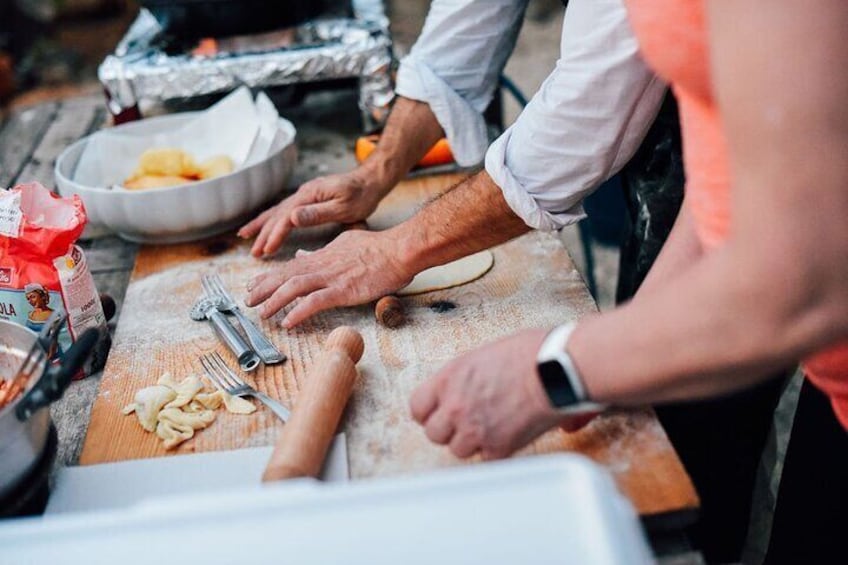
(557, 384)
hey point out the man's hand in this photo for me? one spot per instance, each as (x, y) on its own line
(490, 400)
(343, 198)
(347, 198)
(356, 267)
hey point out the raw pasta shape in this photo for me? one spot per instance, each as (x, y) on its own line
(172, 435)
(233, 404)
(236, 404)
(176, 426)
(186, 390)
(175, 410)
(194, 420)
(148, 402)
(210, 400)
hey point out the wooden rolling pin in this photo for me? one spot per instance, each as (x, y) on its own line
(389, 310)
(302, 446)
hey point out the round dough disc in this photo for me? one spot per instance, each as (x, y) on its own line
(452, 274)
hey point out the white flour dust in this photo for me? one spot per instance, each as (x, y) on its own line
(156, 308)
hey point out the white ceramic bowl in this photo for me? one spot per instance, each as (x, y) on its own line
(180, 213)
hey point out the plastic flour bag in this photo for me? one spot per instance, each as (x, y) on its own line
(41, 270)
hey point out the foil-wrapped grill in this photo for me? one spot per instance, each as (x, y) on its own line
(144, 68)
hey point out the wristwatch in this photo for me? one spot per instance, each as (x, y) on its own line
(559, 376)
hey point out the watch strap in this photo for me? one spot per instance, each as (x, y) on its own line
(553, 350)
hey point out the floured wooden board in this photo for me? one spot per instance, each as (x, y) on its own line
(533, 283)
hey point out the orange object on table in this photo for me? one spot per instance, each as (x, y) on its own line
(439, 154)
(206, 47)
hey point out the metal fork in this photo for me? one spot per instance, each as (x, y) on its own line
(267, 351)
(225, 379)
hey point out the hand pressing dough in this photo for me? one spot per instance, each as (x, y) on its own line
(452, 274)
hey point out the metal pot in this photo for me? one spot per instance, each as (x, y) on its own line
(25, 422)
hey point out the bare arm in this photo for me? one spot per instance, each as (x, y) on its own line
(412, 129)
(360, 266)
(471, 217)
(776, 291)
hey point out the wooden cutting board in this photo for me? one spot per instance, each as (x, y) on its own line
(533, 284)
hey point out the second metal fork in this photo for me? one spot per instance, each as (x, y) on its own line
(225, 379)
(267, 351)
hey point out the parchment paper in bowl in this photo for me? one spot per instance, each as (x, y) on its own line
(268, 117)
(235, 126)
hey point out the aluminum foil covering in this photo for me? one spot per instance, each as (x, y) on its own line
(325, 49)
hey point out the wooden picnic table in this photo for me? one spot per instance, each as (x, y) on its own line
(631, 444)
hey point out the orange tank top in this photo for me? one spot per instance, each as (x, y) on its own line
(672, 35)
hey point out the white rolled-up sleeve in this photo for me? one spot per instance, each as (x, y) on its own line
(455, 66)
(584, 124)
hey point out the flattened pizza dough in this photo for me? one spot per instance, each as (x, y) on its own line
(452, 274)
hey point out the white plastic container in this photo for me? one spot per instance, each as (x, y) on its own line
(546, 509)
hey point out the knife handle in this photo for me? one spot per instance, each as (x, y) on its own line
(302, 446)
(266, 350)
(247, 358)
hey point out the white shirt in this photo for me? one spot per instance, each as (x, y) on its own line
(584, 124)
